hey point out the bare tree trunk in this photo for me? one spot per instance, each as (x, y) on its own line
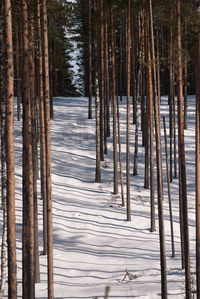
(48, 156)
(120, 153)
(128, 114)
(102, 103)
(150, 112)
(171, 95)
(158, 64)
(133, 70)
(90, 57)
(107, 79)
(51, 78)
(169, 191)
(121, 60)
(97, 111)
(17, 30)
(197, 152)
(159, 169)
(147, 60)
(114, 102)
(182, 167)
(42, 133)
(135, 159)
(10, 160)
(3, 168)
(28, 201)
(34, 146)
(185, 82)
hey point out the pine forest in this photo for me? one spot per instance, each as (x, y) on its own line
(100, 149)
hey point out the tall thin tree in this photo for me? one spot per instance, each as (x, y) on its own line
(181, 150)
(114, 102)
(28, 203)
(10, 160)
(197, 154)
(48, 154)
(128, 113)
(159, 166)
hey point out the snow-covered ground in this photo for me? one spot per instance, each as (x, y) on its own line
(94, 245)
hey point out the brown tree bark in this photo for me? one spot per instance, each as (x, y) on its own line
(169, 191)
(133, 56)
(17, 30)
(197, 154)
(10, 160)
(171, 93)
(181, 150)
(42, 132)
(114, 102)
(151, 129)
(107, 97)
(34, 144)
(3, 205)
(185, 80)
(128, 203)
(97, 112)
(28, 201)
(90, 57)
(159, 167)
(48, 155)
(102, 102)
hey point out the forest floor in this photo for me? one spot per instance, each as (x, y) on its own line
(94, 245)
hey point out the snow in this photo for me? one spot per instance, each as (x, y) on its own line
(94, 245)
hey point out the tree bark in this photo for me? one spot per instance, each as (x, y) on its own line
(17, 30)
(10, 160)
(197, 152)
(34, 145)
(90, 57)
(42, 132)
(159, 168)
(28, 202)
(128, 203)
(3, 167)
(182, 166)
(48, 155)
(102, 103)
(115, 191)
(151, 133)
(169, 191)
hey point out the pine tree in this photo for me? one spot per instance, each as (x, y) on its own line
(10, 162)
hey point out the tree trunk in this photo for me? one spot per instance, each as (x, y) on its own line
(17, 30)
(102, 80)
(3, 170)
(128, 113)
(185, 81)
(90, 57)
(182, 167)
(34, 145)
(133, 70)
(151, 133)
(159, 168)
(197, 152)
(115, 191)
(97, 111)
(107, 79)
(169, 191)
(28, 202)
(48, 155)
(42, 133)
(171, 95)
(10, 160)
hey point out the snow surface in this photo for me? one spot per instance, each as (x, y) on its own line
(94, 245)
